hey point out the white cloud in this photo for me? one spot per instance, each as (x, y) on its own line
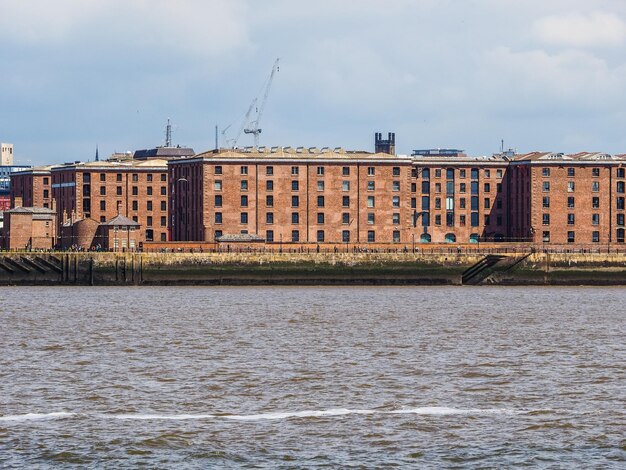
(578, 30)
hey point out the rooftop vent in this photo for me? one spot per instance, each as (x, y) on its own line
(299, 149)
(314, 150)
(274, 149)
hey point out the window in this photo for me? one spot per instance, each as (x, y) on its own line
(620, 172)
(595, 172)
(345, 218)
(135, 177)
(595, 219)
(498, 173)
(462, 203)
(269, 170)
(570, 186)
(463, 173)
(269, 201)
(320, 218)
(595, 236)
(244, 170)
(218, 217)
(474, 173)
(320, 186)
(218, 234)
(620, 219)
(244, 201)
(163, 177)
(425, 187)
(320, 236)
(546, 186)
(46, 193)
(295, 235)
(571, 172)
(620, 187)
(450, 173)
(425, 203)
(462, 220)
(163, 205)
(149, 205)
(595, 203)
(546, 201)
(450, 219)
(149, 221)
(345, 201)
(103, 205)
(320, 201)
(103, 177)
(620, 235)
(371, 185)
(620, 203)
(295, 218)
(498, 188)
(474, 187)
(218, 170)
(546, 219)
(320, 171)
(371, 171)
(295, 185)
(163, 191)
(571, 203)
(437, 187)
(295, 201)
(244, 217)
(437, 219)
(295, 170)
(371, 218)
(395, 218)
(487, 203)
(462, 188)
(571, 238)
(426, 173)
(474, 219)
(487, 187)
(134, 190)
(118, 177)
(163, 221)
(450, 187)
(345, 185)
(218, 185)
(437, 203)
(119, 190)
(395, 185)
(545, 172)
(244, 185)
(571, 219)
(218, 200)
(413, 187)
(413, 203)
(269, 185)
(474, 203)
(437, 173)
(345, 236)
(396, 171)
(371, 236)
(269, 236)
(395, 201)
(487, 220)
(546, 237)
(345, 171)
(149, 190)
(371, 201)
(396, 236)
(269, 217)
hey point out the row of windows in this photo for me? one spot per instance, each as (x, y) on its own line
(295, 201)
(119, 177)
(295, 218)
(119, 191)
(451, 173)
(462, 219)
(571, 219)
(474, 203)
(450, 187)
(295, 170)
(571, 186)
(571, 202)
(321, 236)
(595, 172)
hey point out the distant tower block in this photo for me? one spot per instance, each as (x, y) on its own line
(6, 154)
(385, 146)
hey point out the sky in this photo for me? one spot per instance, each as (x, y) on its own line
(547, 75)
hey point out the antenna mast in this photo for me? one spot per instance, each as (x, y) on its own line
(168, 134)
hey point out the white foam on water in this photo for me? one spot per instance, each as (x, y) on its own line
(36, 416)
(179, 417)
(298, 414)
(443, 410)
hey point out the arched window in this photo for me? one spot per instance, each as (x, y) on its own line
(620, 235)
(425, 238)
(474, 238)
(450, 238)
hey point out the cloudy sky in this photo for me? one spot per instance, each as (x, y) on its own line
(540, 74)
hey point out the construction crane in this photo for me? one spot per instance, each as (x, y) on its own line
(253, 127)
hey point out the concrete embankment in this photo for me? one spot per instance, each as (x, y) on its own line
(305, 268)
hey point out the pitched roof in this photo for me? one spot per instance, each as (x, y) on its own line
(119, 220)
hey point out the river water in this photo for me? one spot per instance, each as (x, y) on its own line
(267, 377)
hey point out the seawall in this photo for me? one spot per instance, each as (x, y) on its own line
(101, 269)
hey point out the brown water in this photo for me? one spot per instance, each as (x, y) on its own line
(306, 377)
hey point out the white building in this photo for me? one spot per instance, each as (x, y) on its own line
(6, 154)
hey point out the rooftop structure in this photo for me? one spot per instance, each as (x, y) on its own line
(6, 154)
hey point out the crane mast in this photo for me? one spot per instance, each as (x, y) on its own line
(254, 125)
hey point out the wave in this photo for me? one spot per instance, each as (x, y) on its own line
(36, 416)
(277, 415)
